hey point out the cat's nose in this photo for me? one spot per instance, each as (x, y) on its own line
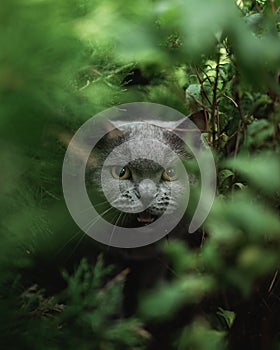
(147, 190)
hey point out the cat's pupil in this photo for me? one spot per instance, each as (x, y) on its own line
(170, 172)
(121, 172)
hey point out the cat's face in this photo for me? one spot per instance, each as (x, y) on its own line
(140, 170)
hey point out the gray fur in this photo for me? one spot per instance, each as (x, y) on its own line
(143, 156)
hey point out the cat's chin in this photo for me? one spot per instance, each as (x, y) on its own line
(145, 217)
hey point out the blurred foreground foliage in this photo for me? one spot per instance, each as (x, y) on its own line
(62, 62)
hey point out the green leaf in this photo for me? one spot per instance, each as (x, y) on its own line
(164, 302)
(228, 316)
(261, 170)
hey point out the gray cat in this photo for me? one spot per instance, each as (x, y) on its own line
(133, 179)
(143, 178)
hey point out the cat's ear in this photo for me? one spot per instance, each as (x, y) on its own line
(109, 129)
(189, 128)
(113, 129)
(77, 149)
(195, 122)
(200, 119)
(192, 126)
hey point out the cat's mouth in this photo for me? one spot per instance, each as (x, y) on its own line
(146, 217)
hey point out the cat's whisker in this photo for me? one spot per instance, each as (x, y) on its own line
(123, 218)
(96, 219)
(76, 246)
(115, 225)
(116, 218)
(101, 203)
(89, 224)
(98, 204)
(76, 234)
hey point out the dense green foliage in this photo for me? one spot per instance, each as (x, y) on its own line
(64, 61)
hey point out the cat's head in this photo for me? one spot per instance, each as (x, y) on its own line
(138, 167)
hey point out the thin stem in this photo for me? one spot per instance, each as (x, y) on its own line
(272, 5)
(214, 107)
(203, 95)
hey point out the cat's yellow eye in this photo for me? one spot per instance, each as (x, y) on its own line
(169, 174)
(120, 173)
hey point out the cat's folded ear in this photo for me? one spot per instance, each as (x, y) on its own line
(200, 119)
(189, 128)
(109, 128)
(77, 149)
(113, 129)
(192, 126)
(195, 122)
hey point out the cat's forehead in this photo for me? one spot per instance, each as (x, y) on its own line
(144, 140)
(142, 128)
(140, 148)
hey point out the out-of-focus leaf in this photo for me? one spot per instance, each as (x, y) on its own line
(180, 257)
(258, 132)
(199, 335)
(229, 219)
(261, 170)
(164, 302)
